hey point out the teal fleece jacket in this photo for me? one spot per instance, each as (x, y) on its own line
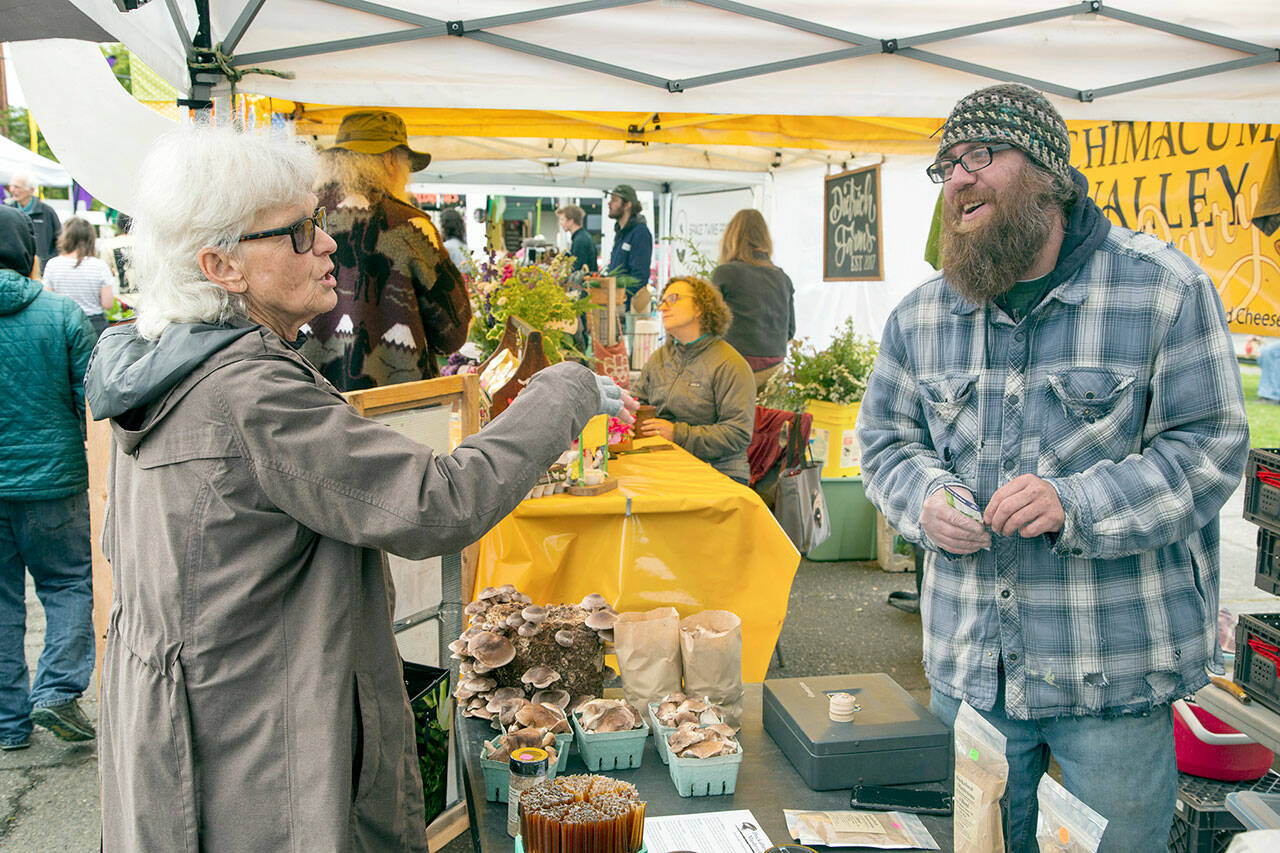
(45, 341)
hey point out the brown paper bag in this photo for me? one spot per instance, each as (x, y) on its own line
(648, 648)
(711, 648)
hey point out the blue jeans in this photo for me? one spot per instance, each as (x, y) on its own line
(1102, 759)
(49, 539)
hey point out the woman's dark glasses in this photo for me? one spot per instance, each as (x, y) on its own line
(302, 232)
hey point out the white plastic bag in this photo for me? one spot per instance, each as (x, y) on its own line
(982, 773)
(1064, 824)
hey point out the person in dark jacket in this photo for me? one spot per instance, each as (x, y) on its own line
(401, 302)
(703, 389)
(759, 294)
(581, 246)
(47, 225)
(45, 341)
(632, 241)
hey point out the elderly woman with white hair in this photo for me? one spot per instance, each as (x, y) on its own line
(251, 687)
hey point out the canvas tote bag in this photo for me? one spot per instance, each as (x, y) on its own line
(799, 505)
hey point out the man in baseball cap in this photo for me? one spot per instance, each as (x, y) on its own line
(1075, 380)
(632, 239)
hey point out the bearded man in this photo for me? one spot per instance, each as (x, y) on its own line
(402, 303)
(1074, 380)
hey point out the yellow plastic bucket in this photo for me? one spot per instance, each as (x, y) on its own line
(832, 439)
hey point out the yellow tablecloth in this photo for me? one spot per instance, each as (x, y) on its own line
(675, 532)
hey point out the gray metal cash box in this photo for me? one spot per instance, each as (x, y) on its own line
(893, 740)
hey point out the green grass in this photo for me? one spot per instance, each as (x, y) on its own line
(1264, 418)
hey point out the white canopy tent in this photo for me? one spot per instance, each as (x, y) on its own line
(1138, 60)
(782, 73)
(14, 159)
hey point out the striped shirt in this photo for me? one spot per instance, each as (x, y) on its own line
(1120, 389)
(83, 283)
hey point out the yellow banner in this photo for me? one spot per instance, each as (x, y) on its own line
(1195, 185)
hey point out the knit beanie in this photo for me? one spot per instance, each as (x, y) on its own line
(17, 240)
(1013, 113)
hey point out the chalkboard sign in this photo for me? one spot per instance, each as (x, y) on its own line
(852, 248)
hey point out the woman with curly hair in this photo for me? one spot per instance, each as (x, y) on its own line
(702, 387)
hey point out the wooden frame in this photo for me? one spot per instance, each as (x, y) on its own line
(827, 224)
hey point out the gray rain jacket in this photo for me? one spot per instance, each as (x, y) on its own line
(248, 513)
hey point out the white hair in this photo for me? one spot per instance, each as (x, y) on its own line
(202, 187)
(22, 179)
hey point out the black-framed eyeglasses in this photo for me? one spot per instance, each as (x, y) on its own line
(302, 232)
(940, 171)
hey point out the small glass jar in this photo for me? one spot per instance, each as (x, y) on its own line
(528, 767)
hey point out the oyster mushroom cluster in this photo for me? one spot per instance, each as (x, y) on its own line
(677, 709)
(608, 715)
(522, 736)
(512, 644)
(691, 740)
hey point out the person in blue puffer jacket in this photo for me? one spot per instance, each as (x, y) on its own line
(45, 341)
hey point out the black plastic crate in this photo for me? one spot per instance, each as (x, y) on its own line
(1256, 674)
(1267, 573)
(1262, 501)
(1201, 822)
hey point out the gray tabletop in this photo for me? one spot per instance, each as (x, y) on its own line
(767, 784)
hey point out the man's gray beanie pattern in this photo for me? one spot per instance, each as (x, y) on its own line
(1013, 113)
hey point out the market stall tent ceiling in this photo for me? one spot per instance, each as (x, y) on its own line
(1164, 60)
(40, 19)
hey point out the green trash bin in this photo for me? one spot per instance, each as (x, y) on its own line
(853, 522)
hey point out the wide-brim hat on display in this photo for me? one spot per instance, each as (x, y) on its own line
(377, 132)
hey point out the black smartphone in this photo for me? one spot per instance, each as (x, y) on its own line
(887, 798)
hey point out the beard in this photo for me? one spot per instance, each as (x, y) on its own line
(983, 259)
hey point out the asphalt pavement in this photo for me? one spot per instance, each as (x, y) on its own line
(838, 622)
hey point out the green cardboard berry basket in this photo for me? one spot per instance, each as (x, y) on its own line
(660, 734)
(497, 775)
(705, 777)
(610, 750)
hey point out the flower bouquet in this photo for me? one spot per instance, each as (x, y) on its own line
(535, 293)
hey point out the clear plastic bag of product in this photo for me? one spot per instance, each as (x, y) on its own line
(1066, 825)
(982, 773)
(882, 830)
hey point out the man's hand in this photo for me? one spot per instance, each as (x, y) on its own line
(658, 426)
(950, 529)
(1026, 505)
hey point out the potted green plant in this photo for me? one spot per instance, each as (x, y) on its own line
(827, 383)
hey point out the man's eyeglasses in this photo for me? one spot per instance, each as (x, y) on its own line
(302, 232)
(972, 160)
(668, 299)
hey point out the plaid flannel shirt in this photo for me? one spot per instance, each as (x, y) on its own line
(1121, 390)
